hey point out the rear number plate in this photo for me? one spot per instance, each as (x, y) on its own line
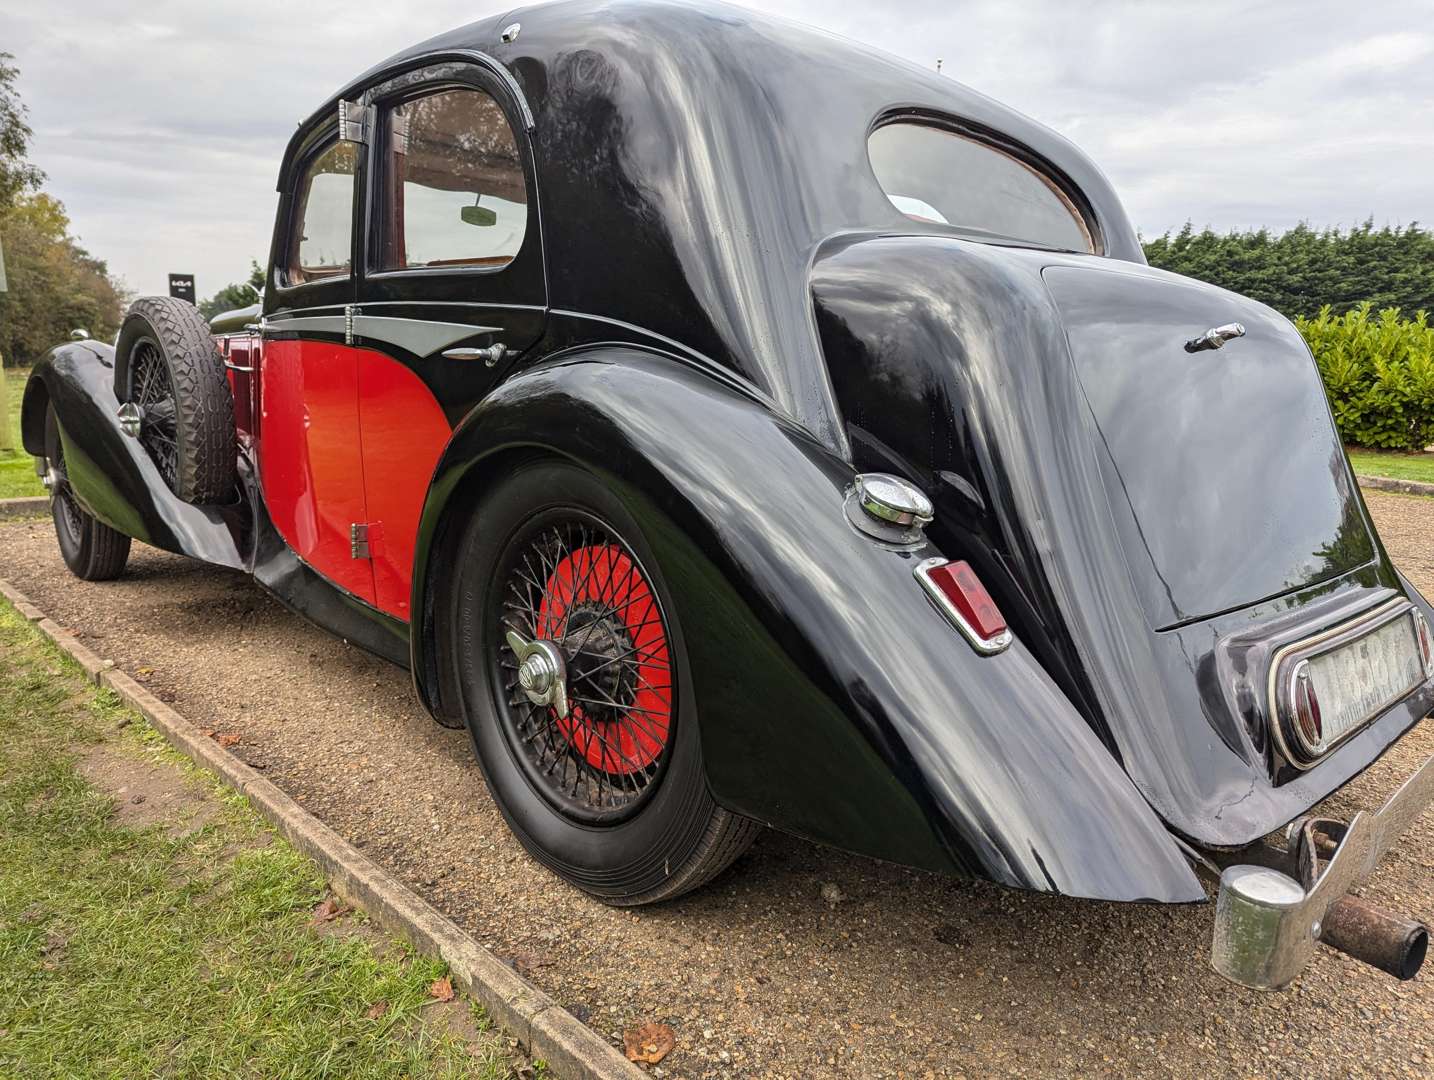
(1353, 682)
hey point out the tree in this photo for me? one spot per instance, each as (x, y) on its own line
(17, 175)
(239, 295)
(55, 285)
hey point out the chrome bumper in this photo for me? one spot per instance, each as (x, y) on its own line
(1267, 920)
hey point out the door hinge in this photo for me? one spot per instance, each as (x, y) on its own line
(350, 311)
(355, 121)
(365, 539)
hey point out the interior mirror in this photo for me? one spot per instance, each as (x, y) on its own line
(479, 215)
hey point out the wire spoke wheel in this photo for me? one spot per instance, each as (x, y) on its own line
(154, 394)
(570, 580)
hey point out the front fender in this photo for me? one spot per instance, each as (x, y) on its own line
(835, 702)
(111, 474)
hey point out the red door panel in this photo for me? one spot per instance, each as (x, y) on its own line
(404, 432)
(310, 463)
(242, 351)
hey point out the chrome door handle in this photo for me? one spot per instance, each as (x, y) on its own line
(490, 356)
(1215, 337)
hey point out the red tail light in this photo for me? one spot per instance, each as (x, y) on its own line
(958, 592)
(1426, 648)
(1307, 708)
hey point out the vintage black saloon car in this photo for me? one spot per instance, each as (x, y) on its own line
(733, 426)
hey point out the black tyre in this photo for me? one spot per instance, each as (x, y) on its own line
(612, 795)
(92, 550)
(170, 377)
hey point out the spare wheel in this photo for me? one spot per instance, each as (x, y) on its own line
(175, 399)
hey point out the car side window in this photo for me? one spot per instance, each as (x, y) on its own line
(934, 175)
(322, 240)
(454, 192)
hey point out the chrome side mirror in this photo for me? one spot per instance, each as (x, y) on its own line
(79, 333)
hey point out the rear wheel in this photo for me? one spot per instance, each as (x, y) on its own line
(575, 687)
(92, 550)
(176, 400)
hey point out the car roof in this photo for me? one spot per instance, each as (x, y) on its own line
(710, 149)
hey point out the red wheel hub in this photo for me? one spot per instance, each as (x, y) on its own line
(598, 603)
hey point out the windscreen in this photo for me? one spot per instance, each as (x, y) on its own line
(931, 174)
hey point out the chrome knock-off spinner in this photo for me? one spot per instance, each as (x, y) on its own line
(542, 672)
(131, 419)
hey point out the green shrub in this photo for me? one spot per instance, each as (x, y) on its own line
(1379, 373)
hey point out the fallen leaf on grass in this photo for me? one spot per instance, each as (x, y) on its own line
(330, 910)
(442, 989)
(376, 1010)
(650, 1043)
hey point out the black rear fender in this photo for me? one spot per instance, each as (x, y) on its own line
(33, 407)
(835, 701)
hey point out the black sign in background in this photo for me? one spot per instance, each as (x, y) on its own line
(182, 286)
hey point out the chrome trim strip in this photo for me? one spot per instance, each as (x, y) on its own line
(985, 646)
(321, 324)
(421, 337)
(1279, 699)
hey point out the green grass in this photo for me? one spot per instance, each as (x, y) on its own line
(17, 468)
(137, 953)
(1393, 464)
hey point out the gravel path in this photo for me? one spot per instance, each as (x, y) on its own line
(906, 974)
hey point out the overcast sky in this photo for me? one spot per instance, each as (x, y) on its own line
(161, 124)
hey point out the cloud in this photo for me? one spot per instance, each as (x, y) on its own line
(161, 127)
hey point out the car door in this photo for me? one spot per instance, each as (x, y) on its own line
(308, 453)
(452, 288)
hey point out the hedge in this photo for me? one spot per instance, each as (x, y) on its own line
(1379, 373)
(1300, 271)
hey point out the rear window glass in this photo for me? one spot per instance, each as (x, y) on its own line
(930, 174)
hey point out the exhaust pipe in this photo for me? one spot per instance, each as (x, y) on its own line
(1380, 938)
(1271, 910)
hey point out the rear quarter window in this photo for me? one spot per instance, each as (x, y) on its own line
(932, 174)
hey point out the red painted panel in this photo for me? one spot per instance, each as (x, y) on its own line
(241, 351)
(404, 432)
(310, 463)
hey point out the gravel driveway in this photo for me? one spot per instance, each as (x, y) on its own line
(767, 972)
